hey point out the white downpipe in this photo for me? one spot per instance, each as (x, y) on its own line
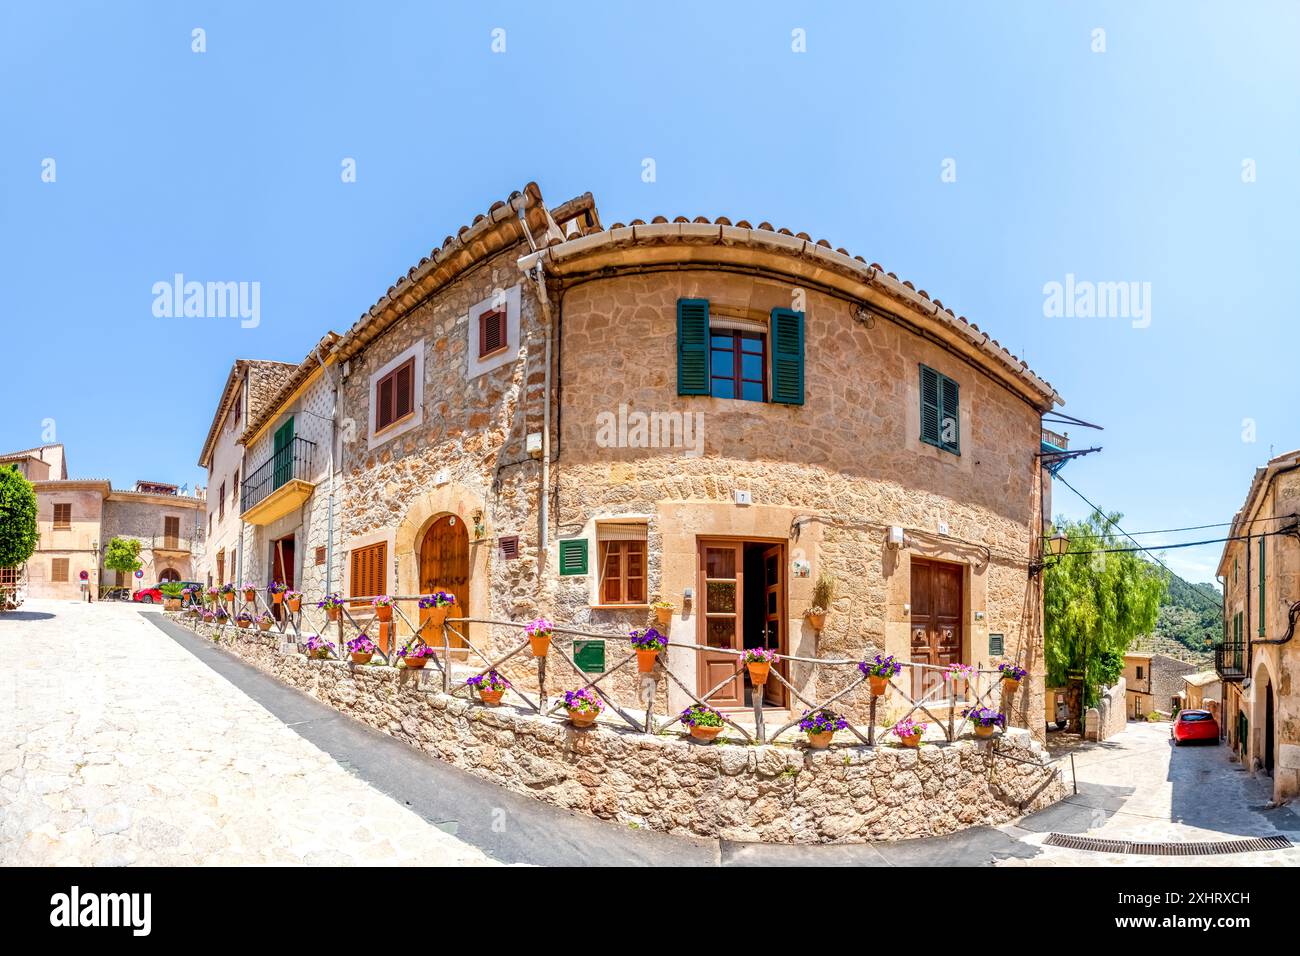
(539, 277)
(329, 505)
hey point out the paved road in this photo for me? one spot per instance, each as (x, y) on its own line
(167, 749)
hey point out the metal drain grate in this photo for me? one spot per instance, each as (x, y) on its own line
(1250, 845)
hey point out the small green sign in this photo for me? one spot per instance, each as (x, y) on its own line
(589, 656)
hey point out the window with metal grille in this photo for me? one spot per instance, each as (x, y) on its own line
(395, 395)
(491, 332)
(63, 515)
(368, 576)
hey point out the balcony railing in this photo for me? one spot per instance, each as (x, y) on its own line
(173, 542)
(1230, 661)
(1055, 439)
(290, 463)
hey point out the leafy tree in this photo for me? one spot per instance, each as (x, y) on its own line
(123, 554)
(1094, 604)
(18, 535)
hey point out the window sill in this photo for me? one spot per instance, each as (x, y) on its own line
(380, 433)
(494, 353)
(618, 607)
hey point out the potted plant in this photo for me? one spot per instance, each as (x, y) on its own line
(208, 617)
(878, 670)
(228, 592)
(244, 620)
(439, 605)
(361, 648)
(704, 722)
(415, 657)
(647, 644)
(332, 605)
(759, 661)
(276, 590)
(584, 706)
(985, 720)
(664, 612)
(294, 601)
(908, 732)
(823, 595)
(539, 636)
(1012, 675)
(490, 687)
(820, 726)
(383, 608)
(210, 595)
(222, 615)
(318, 648)
(172, 592)
(265, 622)
(250, 594)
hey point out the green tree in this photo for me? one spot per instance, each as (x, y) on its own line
(18, 535)
(1095, 604)
(123, 554)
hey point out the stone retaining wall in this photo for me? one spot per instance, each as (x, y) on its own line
(782, 793)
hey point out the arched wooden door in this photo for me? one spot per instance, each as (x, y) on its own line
(444, 566)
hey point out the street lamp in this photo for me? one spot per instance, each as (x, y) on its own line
(1058, 543)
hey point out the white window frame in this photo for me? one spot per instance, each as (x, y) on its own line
(416, 418)
(510, 298)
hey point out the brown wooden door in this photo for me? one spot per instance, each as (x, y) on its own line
(444, 566)
(282, 562)
(774, 619)
(936, 619)
(722, 602)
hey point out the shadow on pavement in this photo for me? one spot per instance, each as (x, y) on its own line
(26, 616)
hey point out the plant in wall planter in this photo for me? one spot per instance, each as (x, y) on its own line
(539, 636)
(664, 612)
(228, 592)
(332, 605)
(820, 726)
(209, 617)
(439, 605)
(361, 648)
(647, 644)
(490, 687)
(985, 720)
(210, 595)
(909, 732)
(244, 619)
(222, 615)
(584, 706)
(276, 590)
(704, 722)
(878, 671)
(250, 593)
(823, 596)
(383, 608)
(759, 661)
(318, 648)
(293, 599)
(415, 657)
(1012, 675)
(265, 622)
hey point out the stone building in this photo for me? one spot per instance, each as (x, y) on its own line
(1202, 691)
(1154, 683)
(1259, 656)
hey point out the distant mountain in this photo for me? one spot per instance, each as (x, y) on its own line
(1189, 623)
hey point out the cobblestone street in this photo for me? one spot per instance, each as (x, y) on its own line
(119, 747)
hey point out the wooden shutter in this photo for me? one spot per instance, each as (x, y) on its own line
(63, 515)
(368, 575)
(573, 556)
(58, 569)
(491, 332)
(1261, 586)
(404, 390)
(384, 403)
(692, 346)
(787, 356)
(929, 405)
(949, 415)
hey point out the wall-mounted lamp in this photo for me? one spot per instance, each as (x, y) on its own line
(1057, 545)
(479, 530)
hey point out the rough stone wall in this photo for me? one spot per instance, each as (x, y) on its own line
(773, 793)
(143, 520)
(1167, 675)
(1108, 718)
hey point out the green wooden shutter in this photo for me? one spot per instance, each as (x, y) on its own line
(692, 347)
(787, 357)
(573, 556)
(949, 415)
(929, 405)
(1261, 586)
(283, 466)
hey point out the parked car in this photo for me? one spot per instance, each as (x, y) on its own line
(154, 594)
(1195, 725)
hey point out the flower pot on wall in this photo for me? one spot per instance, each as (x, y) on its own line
(361, 658)
(491, 697)
(332, 613)
(818, 621)
(384, 613)
(820, 741)
(705, 734)
(416, 662)
(879, 685)
(540, 644)
(264, 626)
(913, 741)
(1010, 686)
(438, 615)
(645, 661)
(664, 615)
(984, 732)
(277, 597)
(759, 672)
(295, 604)
(250, 595)
(583, 718)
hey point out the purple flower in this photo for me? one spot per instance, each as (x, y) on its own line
(648, 640)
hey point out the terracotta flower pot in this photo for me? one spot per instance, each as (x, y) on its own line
(244, 623)
(230, 596)
(295, 604)
(984, 732)
(250, 595)
(359, 658)
(759, 671)
(879, 685)
(416, 662)
(664, 615)
(705, 734)
(264, 625)
(438, 615)
(540, 644)
(491, 697)
(319, 655)
(583, 718)
(820, 741)
(912, 741)
(818, 621)
(645, 661)
(277, 597)
(332, 613)
(383, 612)
(1010, 685)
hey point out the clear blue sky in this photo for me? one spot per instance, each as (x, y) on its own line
(1117, 166)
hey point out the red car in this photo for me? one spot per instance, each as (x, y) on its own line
(154, 596)
(1195, 725)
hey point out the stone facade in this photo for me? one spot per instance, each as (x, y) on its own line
(1108, 717)
(772, 793)
(1154, 682)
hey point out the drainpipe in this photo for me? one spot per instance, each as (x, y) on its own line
(539, 277)
(329, 507)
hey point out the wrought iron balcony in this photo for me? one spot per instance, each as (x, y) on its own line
(173, 542)
(1230, 661)
(279, 484)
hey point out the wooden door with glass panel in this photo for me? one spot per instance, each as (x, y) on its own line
(721, 590)
(773, 626)
(444, 566)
